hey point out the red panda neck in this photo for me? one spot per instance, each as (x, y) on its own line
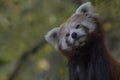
(88, 49)
(93, 48)
(92, 60)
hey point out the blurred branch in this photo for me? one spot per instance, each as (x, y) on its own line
(24, 57)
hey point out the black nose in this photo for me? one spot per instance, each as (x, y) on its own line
(74, 35)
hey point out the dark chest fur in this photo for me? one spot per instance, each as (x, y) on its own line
(89, 63)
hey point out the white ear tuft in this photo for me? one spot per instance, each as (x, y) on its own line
(52, 36)
(85, 8)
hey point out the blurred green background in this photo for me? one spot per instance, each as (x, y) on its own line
(24, 22)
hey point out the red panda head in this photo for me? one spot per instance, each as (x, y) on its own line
(76, 31)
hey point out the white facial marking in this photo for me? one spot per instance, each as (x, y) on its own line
(71, 41)
(64, 45)
(89, 25)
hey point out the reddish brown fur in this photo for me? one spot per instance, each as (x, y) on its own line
(113, 64)
(97, 38)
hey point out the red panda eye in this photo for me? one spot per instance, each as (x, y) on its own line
(78, 26)
(68, 34)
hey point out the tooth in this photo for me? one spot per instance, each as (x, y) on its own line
(76, 43)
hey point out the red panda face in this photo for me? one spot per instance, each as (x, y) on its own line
(76, 35)
(75, 31)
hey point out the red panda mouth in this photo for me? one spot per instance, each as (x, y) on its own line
(80, 37)
(79, 41)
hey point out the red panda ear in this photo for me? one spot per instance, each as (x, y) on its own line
(85, 8)
(52, 36)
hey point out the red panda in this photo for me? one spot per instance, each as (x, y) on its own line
(81, 40)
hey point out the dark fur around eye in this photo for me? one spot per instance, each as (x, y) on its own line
(68, 34)
(78, 26)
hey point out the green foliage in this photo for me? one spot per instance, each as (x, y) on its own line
(25, 22)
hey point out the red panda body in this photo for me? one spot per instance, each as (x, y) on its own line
(95, 63)
(81, 40)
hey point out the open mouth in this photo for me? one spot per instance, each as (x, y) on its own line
(79, 37)
(79, 41)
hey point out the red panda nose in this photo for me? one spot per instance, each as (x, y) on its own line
(74, 35)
